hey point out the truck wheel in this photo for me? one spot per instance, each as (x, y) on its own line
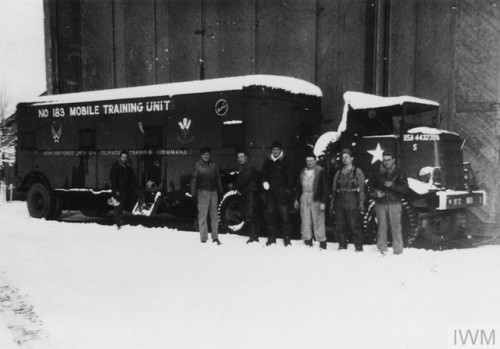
(409, 224)
(440, 226)
(230, 217)
(40, 201)
(55, 213)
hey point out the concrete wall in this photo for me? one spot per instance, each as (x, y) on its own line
(445, 50)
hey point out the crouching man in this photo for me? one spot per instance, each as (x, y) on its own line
(312, 191)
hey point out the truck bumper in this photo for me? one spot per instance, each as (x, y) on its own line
(454, 199)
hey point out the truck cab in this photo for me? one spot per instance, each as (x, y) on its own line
(441, 185)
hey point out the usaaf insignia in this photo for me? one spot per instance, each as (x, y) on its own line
(56, 131)
(184, 134)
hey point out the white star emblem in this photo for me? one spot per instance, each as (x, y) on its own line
(377, 153)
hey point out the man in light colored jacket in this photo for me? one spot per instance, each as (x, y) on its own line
(206, 187)
(312, 193)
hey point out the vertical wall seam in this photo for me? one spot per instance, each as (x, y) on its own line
(155, 33)
(113, 32)
(415, 49)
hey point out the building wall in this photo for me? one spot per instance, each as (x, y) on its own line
(445, 50)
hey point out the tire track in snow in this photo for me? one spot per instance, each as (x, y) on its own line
(24, 324)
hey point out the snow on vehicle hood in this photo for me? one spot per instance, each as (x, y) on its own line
(359, 100)
(430, 131)
(292, 85)
(420, 187)
(324, 140)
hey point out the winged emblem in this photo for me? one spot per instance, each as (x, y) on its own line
(184, 134)
(56, 133)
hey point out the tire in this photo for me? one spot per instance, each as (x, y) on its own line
(409, 223)
(57, 208)
(40, 201)
(230, 215)
(441, 226)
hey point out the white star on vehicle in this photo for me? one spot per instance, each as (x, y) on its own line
(377, 153)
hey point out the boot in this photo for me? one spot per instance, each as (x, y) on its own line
(270, 242)
(342, 247)
(216, 241)
(359, 248)
(287, 241)
(308, 242)
(249, 241)
(322, 245)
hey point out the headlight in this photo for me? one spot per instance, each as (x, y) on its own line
(431, 175)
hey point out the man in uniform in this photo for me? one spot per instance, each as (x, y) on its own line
(124, 187)
(312, 191)
(205, 188)
(348, 197)
(277, 173)
(390, 184)
(248, 183)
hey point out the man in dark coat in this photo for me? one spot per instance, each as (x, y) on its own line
(123, 186)
(248, 184)
(206, 187)
(277, 174)
(390, 184)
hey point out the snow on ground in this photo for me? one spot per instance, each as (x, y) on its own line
(91, 286)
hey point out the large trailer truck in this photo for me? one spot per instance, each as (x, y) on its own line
(67, 143)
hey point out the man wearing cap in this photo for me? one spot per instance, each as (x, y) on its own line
(124, 187)
(205, 188)
(277, 175)
(348, 198)
(248, 184)
(312, 191)
(390, 185)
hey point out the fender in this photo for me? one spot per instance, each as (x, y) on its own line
(32, 178)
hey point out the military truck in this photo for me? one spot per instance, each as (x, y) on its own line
(68, 142)
(442, 185)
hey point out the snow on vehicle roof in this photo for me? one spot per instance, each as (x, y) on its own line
(359, 100)
(289, 84)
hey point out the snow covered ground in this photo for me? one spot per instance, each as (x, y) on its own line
(83, 285)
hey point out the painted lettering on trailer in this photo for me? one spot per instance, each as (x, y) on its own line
(114, 152)
(106, 109)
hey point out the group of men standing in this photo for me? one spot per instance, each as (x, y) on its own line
(309, 194)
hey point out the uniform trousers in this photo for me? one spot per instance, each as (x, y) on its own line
(312, 217)
(207, 205)
(389, 213)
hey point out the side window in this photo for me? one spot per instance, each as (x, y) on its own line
(153, 137)
(233, 134)
(28, 141)
(86, 139)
